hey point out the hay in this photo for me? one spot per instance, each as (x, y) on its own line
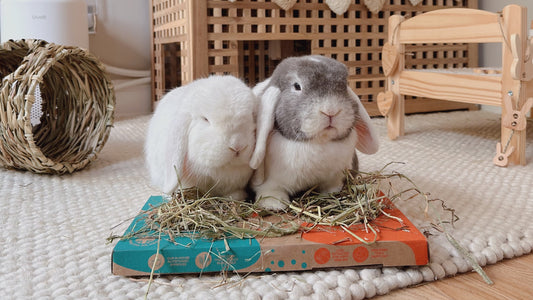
(362, 199)
(77, 104)
(193, 215)
(189, 213)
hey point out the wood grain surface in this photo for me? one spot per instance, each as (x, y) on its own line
(513, 279)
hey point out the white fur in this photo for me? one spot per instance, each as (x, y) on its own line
(292, 166)
(182, 144)
(312, 58)
(265, 123)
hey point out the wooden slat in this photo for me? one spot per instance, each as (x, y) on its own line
(155, 54)
(223, 52)
(168, 26)
(247, 19)
(423, 105)
(454, 25)
(198, 39)
(173, 9)
(396, 116)
(475, 89)
(515, 23)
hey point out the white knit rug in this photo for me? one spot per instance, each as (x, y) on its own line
(54, 229)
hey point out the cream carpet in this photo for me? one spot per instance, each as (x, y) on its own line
(54, 229)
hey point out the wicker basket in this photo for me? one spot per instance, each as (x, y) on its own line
(77, 103)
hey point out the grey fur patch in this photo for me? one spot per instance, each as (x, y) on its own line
(319, 78)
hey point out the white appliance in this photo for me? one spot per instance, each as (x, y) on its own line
(57, 21)
(61, 22)
(65, 22)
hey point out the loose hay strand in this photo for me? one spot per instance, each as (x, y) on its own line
(156, 258)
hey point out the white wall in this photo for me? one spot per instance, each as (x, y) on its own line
(122, 39)
(490, 54)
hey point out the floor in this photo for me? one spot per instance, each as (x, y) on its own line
(513, 279)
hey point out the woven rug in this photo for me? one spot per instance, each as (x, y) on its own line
(54, 228)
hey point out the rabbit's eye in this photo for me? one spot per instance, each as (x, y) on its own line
(297, 86)
(205, 119)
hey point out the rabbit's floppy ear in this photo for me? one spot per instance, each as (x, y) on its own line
(265, 123)
(178, 157)
(367, 138)
(259, 88)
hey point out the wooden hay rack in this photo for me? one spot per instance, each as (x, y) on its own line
(510, 88)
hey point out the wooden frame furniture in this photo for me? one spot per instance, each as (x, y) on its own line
(511, 88)
(247, 38)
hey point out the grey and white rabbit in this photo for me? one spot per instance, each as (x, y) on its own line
(309, 125)
(203, 134)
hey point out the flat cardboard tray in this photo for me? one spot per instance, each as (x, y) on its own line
(322, 247)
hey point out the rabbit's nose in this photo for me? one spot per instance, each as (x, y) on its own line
(330, 114)
(237, 149)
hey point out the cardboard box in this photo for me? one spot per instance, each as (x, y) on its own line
(322, 247)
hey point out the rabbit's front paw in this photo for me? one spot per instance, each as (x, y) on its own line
(273, 200)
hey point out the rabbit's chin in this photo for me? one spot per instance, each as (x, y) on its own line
(221, 162)
(226, 181)
(218, 166)
(329, 134)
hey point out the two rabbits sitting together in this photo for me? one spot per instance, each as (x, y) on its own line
(295, 130)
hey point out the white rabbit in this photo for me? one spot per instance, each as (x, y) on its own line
(203, 134)
(309, 124)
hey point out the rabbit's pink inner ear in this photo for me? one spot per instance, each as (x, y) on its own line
(366, 139)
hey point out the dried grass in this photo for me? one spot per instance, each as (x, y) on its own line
(189, 213)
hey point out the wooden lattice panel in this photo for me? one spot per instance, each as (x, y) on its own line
(247, 38)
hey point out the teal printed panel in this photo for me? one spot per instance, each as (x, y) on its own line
(184, 255)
